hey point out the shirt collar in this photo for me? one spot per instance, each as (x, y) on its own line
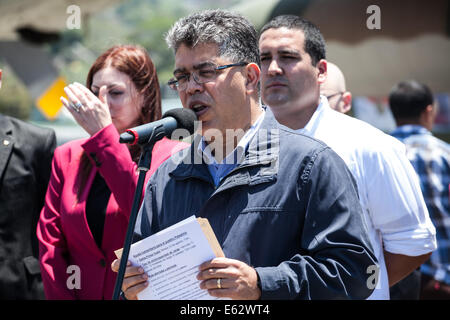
(402, 132)
(313, 123)
(242, 144)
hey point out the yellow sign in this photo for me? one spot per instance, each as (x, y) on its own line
(49, 102)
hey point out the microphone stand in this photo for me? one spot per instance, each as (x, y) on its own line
(143, 166)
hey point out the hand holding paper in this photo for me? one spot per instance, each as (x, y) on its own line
(170, 259)
(237, 280)
(135, 279)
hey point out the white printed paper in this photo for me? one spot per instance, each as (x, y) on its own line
(171, 259)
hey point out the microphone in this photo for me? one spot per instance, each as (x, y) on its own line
(178, 118)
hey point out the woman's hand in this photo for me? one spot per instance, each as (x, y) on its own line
(90, 112)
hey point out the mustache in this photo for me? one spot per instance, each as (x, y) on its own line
(199, 97)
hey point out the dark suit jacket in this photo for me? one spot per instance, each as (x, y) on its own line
(26, 152)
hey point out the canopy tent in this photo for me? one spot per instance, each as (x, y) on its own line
(44, 17)
(413, 42)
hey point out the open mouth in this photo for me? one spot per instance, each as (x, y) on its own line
(199, 109)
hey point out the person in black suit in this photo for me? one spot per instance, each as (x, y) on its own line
(26, 152)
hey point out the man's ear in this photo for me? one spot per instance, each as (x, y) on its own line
(347, 99)
(322, 71)
(252, 77)
(429, 109)
(427, 112)
(428, 116)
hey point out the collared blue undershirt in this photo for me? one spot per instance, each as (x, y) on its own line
(220, 170)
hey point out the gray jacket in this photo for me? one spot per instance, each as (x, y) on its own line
(290, 209)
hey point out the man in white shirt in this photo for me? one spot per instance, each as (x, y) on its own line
(339, 99)
(293, 67)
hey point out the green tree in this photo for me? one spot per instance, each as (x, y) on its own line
(15, 100)
(141, 22)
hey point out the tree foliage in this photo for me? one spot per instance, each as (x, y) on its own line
(15, 101)
(141, 22)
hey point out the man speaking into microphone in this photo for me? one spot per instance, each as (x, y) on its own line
(283, 206)
(181, 119)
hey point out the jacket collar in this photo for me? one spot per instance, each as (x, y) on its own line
(262, 152)
(6, 142)
(6, 127)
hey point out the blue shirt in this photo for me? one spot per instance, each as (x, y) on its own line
(430, 158)
(219, 170)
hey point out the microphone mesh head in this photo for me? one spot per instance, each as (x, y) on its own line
(185, 118)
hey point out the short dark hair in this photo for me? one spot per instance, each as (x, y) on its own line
(314, 41)
(408, 99)
(235, 36)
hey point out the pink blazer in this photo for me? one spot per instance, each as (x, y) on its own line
(64, 236)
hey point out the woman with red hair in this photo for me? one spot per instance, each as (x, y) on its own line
(91, 189)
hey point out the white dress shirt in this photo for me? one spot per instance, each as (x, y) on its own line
(388, 186)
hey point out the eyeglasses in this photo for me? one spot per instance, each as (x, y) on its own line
(334, 94)
(201, 76)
